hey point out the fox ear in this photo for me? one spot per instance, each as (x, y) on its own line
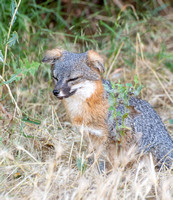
(52, 55)
(96, 61)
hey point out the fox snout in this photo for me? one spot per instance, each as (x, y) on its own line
(56, 92)
(63, 92)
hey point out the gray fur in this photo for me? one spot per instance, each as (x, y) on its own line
(74, 64)
(148, 128)
(70, 69)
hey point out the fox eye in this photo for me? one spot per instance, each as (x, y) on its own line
(55, 78)
(73, 79)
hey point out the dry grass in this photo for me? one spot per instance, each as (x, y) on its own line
(39, 162)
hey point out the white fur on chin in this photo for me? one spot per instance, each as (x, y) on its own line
(74, 103)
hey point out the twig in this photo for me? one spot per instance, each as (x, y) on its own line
(123, 7)
(158, 79)
(153, 71)
(115, 58)
(9, 31)
(138, 48)
(5, 58)
(12, 98)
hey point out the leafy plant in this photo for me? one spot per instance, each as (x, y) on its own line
(25, 66)
(120, 94)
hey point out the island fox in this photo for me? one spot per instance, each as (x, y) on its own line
(79, 84)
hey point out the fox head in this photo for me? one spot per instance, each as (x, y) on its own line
(72, 72)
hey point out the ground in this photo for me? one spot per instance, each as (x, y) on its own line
(42, 156)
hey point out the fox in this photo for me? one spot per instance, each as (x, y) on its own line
(79, 84)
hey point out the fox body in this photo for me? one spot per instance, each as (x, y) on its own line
(79, 84)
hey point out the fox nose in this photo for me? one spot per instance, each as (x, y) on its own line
(56, 92)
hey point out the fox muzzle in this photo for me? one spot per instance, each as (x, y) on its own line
(56, 92)
(60, 94)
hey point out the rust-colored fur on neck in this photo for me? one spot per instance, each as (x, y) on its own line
(94, 110)
(92, 119)
(90, 116)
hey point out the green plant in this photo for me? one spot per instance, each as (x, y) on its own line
(25, 66)
(120, 94)
(81, 165)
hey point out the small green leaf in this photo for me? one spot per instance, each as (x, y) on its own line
(13, 7)
(34, 67)
(125, 116)
(107, 88)
(129, 85)
(27, 136)
(1, 57)
(81, 166)
(31, 121)
(14, 77)
(119, 113)
(28, 67)
(138, 90)
(171, 121)
(27, 63)
(136, 80)
(111, 108)
(108, 27)
(13, 39)
(113, 85)
(79, 163)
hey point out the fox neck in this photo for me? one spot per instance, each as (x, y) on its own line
(88, 108)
